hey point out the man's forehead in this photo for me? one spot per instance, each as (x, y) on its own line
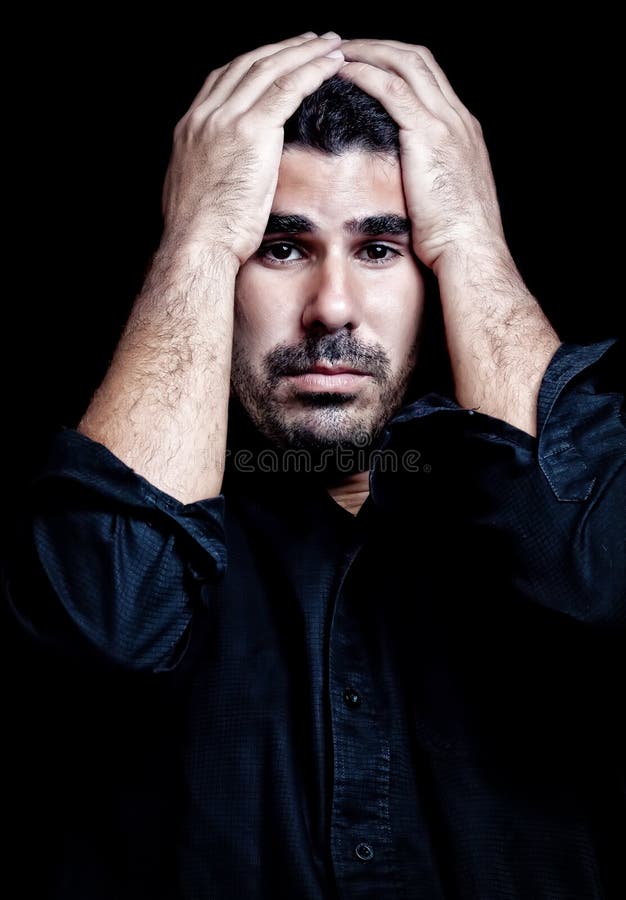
(302, 169)
(344, 190)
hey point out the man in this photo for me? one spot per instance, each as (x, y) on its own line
(317, 634)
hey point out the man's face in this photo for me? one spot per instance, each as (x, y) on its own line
(328, 310)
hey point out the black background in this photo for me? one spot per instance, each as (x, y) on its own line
(96, 98)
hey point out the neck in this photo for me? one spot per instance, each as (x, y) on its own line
(351, 492)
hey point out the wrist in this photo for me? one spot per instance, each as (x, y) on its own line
(470, 264)
(197, 251)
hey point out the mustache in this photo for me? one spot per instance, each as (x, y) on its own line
(340, 347)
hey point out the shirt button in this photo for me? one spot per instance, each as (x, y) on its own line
(364, 852)
(352, 698)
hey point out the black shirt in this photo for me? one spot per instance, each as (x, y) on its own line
(263, 696)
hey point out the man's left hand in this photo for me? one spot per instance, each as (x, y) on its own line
(448, 182)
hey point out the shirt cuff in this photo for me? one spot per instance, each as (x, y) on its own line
(76, 458)
(579, 426)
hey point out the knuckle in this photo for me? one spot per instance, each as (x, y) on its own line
(420, 64)
(219, 118)
(179, 128)
(243, 61)
(193, 122)
(213, 77)
(259, 66)
(250, 58)
(244, 128)
(397, 87)
(430, 58)
(283, 84)
(417, 60)
(475, 124)
(217, 123)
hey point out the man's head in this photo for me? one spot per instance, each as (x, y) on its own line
(328, 310)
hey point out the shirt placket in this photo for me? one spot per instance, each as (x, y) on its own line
(360, 828)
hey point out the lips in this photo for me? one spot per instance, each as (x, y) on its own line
(325, 369)
(328, 379)
(329, 370)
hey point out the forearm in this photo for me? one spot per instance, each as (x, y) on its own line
(499, 340)
(105, 567)
(162, 407)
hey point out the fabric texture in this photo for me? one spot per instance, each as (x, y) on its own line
(263, 696)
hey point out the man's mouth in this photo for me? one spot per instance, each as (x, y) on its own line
(325, 377)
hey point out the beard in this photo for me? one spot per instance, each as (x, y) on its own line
(327, 425)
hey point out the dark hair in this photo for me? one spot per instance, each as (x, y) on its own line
(339, 116)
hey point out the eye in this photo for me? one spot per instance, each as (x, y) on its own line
(379, 253)
(280, 252)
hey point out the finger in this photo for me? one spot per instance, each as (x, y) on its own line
(392, 91)
(272, 75)
(286, 93)
(416, 64)
(442, 79)
(237, 67)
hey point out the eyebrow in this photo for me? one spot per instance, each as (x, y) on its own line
(286, 223)
(385, 223)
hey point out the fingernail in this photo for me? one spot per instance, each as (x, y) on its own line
(330, 35)
(334, 54)
(308, 34)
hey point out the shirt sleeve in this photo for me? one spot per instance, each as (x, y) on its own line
(109, 566)
(556, 506)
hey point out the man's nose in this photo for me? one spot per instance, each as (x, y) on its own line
(332, 297)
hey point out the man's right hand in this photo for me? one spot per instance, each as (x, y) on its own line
(162, 407)
(223, 170)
